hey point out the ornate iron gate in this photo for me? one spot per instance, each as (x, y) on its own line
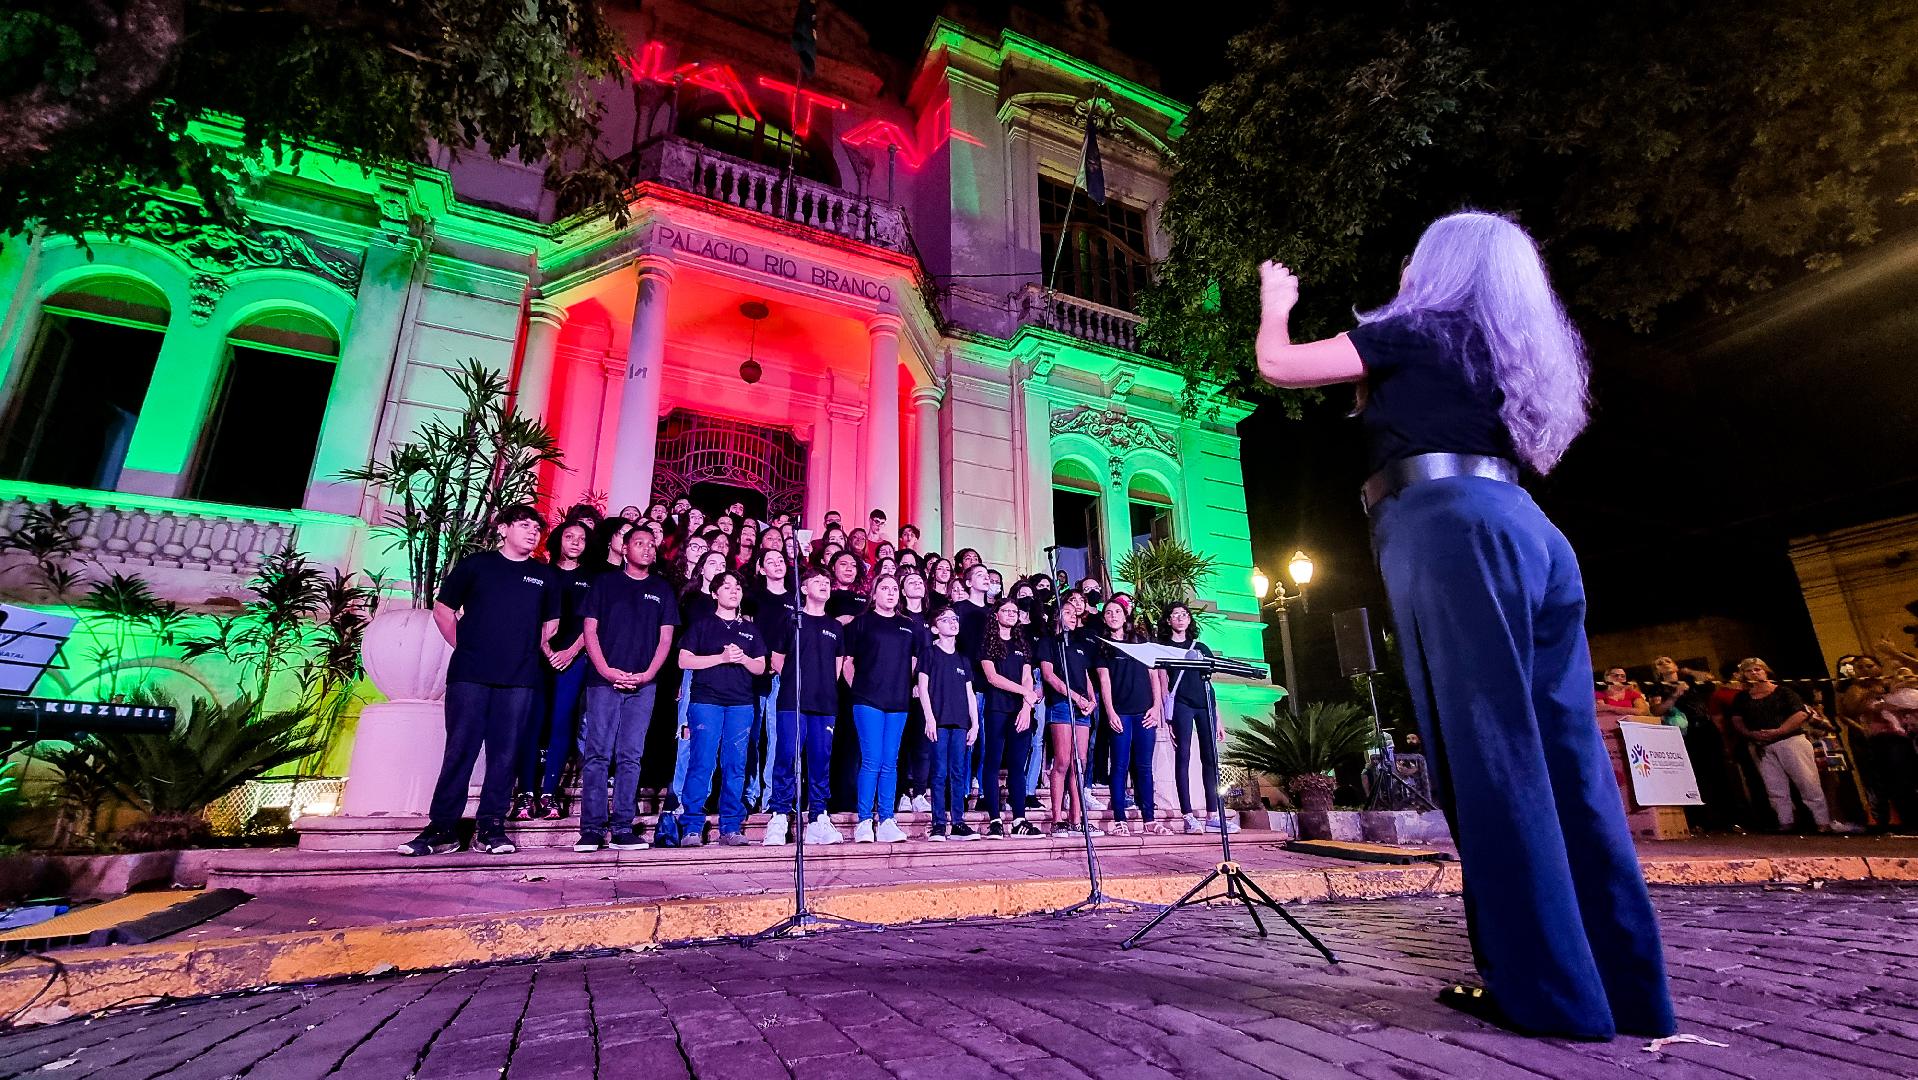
(697, 449)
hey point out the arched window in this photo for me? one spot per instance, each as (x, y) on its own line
(761, 141)
(1078, 521)
(84, 382)
(1149, 509)
(264, 429)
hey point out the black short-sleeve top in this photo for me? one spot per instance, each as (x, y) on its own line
(1430, 388)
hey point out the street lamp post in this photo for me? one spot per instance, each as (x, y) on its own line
(1300, 567)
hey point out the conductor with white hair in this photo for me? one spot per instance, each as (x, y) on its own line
(1470, 379)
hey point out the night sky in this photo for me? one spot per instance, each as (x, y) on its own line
(1703, 459)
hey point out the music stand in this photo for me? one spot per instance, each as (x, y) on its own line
(30, 646)
(1239, 885)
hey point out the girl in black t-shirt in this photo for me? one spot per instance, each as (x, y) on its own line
(539, 788)
(915, 750)
(1192, 715)
(721, 653)
(882, 650)
(1066, 670)
(606, 551)
(1129, 692)
(1010, 721)
(768, 602)
(694, 604)
(848, 587)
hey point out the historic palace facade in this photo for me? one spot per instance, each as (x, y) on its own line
(828, 296)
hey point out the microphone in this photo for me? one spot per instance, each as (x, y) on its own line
(1050, 550)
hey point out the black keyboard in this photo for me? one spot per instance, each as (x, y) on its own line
(53, 718)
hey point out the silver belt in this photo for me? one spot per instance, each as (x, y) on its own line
(1420, 468)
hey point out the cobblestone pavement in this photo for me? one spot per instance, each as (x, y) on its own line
(1801, 984)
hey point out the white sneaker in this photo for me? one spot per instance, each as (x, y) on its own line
(821, 831)
(905, 804)
(1842, 828)
(1193, 824)
(922, 804)
(1093, 802)
(775, 830)
(889, 832)
(863, 833)
(1212, 824)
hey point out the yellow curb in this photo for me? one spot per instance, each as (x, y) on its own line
(87, 980)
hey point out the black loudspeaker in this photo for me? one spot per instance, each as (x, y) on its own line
(1352, 630)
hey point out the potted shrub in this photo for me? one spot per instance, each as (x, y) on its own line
(442, 491)
(1301, 751)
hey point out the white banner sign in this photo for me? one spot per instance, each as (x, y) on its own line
(1661, 769)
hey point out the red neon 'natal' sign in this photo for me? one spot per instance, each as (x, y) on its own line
(933, 131)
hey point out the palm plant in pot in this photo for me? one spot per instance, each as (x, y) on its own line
(1165, 572)
(442, 491)
(1301, 751)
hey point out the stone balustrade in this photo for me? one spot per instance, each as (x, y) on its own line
(128, 532)
(763, 189)
(1082, 319)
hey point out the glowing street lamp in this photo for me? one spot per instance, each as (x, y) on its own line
(1276, 599)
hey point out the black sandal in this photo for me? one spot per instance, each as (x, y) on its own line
(1475, 1002)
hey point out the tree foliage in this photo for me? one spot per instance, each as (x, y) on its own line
(102, 98)
(1673, 158)
(1165, 572)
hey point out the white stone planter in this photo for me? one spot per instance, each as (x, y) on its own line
(399, 742)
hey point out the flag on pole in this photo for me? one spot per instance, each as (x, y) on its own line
(806, 35)
(1092, 171)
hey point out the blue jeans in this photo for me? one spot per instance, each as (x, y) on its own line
(615, 732)
(759, 773)
(1188, 721)
(1490, 610)
(879, 734)
(479, 716)
(950, 773)
(818, 745)
(1036, 754)
(719, 734)
(1132, 753)
(1010, 749)
(562, 720)
(682, 746)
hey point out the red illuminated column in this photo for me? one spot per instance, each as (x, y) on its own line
(925, 482)
(881, 458)
(535, 391)
(631, 483)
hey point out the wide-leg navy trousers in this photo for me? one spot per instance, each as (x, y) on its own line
(1490, 611)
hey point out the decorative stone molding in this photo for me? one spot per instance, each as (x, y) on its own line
(215, 251)
(1112, 429)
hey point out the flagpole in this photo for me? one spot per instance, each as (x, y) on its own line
(1085, 147)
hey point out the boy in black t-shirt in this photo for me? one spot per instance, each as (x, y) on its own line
(630, 616)
(808, 662)
(499, 610)
(952, 725)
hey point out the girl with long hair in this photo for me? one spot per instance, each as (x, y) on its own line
(881, 650)
(606, 551)
(848, 586)
(539, 788)
(1471, 377)
(1065, 666)
(1193, 718)
(1129, 694)
(915, 752)
(1010, 719)
(722, 652)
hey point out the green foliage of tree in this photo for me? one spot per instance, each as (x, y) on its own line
(102, 98)
(1673, 158)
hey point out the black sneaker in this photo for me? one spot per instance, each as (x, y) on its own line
(521, 810)
(1033, 802)
(1024, 830)
(937, 834)
(626, 841)
(429, 844)
(963, 831)
(589, 842)
(995, 829)
(494, 844)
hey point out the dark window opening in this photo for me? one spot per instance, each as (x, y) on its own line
(1076, 529)
(1151, 522)
(265, 429)
(764, 143)
(77, 402)
(1106, 259)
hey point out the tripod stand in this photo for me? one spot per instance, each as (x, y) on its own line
(1239, 885)
(1096, 898)
(1387, 775)
(804, 920)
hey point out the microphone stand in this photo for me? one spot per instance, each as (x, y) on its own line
(804, 920)
(1096, 898)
